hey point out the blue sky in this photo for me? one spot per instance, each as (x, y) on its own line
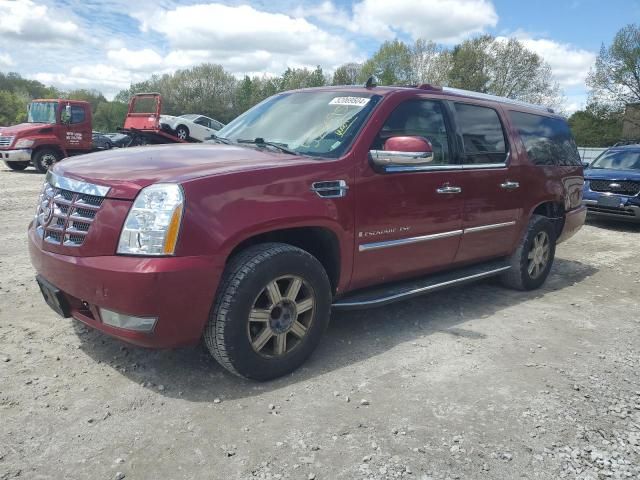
(108, 45)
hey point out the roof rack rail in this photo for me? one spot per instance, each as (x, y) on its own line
(495, 98)
(626, 142)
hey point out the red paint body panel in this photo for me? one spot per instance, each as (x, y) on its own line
(177, 290)
(234, 193)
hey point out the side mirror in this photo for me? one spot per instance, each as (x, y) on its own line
(586, 164)
(66, 115)
(403, 152)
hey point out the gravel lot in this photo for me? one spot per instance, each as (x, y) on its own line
(476, 382)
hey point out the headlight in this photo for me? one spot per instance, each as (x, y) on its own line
(25, 143)
(153, 223)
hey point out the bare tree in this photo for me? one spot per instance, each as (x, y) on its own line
(430, 63)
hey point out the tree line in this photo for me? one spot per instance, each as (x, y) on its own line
(484, 64)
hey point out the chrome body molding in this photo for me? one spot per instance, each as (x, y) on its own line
(76, 186)
(406, 241)
(421, 290)
(482, 228)
(435, 236)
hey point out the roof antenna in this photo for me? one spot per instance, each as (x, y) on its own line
(371, 82)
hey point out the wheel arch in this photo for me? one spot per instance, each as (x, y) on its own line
(321, 242)
(554, 210)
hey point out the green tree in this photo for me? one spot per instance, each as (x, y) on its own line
(615, 78)
(596, 126)
(347, 74)
(390, 65)
(469, 64)
(11, 108)
(109, 116)
(94, 97)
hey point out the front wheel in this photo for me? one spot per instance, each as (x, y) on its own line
(532, 260)
(17, 166)
(182, 132)
(45, 158)
(272, 308)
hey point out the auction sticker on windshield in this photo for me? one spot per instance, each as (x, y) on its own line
(352, 101)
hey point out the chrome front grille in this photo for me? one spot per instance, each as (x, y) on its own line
(621, 187)
(6, 141)
(64, 215)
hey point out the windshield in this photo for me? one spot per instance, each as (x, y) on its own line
(618, 160)
(309, 123)
(42, 112)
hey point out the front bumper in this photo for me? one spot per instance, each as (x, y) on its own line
(22, 155)
(179, 291)
(627, 209)
(573, 222)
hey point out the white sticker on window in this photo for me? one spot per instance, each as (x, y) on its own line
(351, 101)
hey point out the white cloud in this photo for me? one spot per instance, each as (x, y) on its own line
(6, 60)
(244, 39)
(444, 21)
(27, 21)
(570, 65)
(144, 59)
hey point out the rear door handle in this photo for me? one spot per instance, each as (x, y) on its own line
(509, 185)
(448, 189)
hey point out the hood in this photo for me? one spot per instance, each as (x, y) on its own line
(611, 174)
(127, 170)
(168, 118)
(25, 129)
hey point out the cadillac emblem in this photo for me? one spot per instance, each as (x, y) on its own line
(47, 212)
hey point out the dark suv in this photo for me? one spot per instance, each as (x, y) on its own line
(313, 200)
(612, 184)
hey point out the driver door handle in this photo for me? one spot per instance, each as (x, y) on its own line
(509, 185)
(448, 189)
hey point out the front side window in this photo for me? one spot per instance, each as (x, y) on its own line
(204, 121)
(42, 112)
(547, 140)
(618, 160)
(421, 118)
(77, 114)
(318, 123)
(482, 134)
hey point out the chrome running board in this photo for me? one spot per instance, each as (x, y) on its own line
(385, 294)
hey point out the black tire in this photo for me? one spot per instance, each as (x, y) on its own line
(519, 276)
(45, 158)
(182, 132)
(17, 166)
(245, 279)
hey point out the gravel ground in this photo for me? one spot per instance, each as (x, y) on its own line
(476, 382)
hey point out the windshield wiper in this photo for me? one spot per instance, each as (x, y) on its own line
(260, 142)
(216, 138)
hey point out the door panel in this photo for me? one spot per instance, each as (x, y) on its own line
(404, 227)
(77, 133)
(491, 184)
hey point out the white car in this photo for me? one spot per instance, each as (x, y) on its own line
(190, 126)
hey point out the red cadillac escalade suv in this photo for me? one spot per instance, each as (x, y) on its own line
(313, 200)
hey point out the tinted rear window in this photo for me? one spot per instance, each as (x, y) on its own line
(548, 141)
(482, 134)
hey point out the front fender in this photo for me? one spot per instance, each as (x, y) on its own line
(223, 211)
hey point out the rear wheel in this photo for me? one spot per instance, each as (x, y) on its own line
(182, 132)
(532, 260)
(272, 307)
(45, 158)
(18, 166)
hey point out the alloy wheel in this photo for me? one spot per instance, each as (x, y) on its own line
(280, 316)
(48, 159)
(539, 254)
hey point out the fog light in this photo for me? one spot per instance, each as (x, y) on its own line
(128, 322)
